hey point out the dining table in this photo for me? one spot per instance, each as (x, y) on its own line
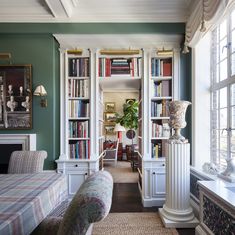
(26, 199)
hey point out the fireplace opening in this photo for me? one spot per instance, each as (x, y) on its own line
(5, 153)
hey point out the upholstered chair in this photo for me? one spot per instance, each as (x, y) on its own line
(91, 203)
(111, 154)
(23, 162)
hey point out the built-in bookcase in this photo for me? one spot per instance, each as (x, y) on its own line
(101, 121)
(78, 105)
(161, 92)
(120, 65)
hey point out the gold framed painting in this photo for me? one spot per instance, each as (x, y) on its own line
(109, 129)
(110, 106)
(109, 117)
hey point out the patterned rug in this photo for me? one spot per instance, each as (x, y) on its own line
(122, 173)
(146, 223)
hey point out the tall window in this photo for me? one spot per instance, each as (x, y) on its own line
(223, 91)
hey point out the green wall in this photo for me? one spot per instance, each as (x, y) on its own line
(33, 43)
(41, 51)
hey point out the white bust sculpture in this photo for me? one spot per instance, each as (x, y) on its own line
(12, 104)
(10, 91)
(26, 104)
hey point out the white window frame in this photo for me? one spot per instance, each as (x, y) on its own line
(216, 86)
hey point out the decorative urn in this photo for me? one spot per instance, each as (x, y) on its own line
(177, 110)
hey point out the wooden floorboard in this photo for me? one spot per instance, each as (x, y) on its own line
(127, 198)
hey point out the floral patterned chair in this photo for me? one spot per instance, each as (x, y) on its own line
(90, 204)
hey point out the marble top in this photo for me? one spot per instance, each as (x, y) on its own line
(225, 191)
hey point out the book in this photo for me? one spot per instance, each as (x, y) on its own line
(167, 68)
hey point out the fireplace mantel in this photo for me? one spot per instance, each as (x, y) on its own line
(28, 141)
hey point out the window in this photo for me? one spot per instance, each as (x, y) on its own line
(223, 91)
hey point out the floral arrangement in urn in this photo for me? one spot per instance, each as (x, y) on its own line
(177, 110)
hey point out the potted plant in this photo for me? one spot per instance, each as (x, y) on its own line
(129, 119)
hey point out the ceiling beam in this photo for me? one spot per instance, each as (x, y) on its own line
(61, 8)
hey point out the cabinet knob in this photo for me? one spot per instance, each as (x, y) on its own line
(86, 174)
(76, 165)
(163, 164)
(154, 173)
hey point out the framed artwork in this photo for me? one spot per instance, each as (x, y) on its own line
(110, 106)
(109, 129)
(130, 100)
(109, 117)
(15, 97)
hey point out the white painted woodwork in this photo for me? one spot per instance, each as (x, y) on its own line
(94, 11)
(176, 211)
(28, 141)
(153, 185)
(76, 171)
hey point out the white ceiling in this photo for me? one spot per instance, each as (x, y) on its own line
(94, 10)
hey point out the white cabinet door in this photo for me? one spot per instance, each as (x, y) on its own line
(159, 182)
(75, 179)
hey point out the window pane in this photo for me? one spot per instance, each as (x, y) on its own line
(233, 94)
(233, 19)
(233, 64)
(223, 118)
(223, 29)
(233, 41)
(233, 117)
(217, 53)
(223, 98)
(223, 49)
(223, 147)
(223, 70)
(217, 73)
(233, 143)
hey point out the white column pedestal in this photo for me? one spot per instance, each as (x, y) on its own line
(177, 212)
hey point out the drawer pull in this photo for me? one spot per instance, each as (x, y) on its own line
(76, 165)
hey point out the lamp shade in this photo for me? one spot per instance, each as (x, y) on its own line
(40, 91)
(118, 127)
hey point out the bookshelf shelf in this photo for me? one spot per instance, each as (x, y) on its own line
(120, 77)
(161, 78)
(160, 138)
(78, 98)
(78, 138)
(161, 98)
(79, 118)
(78, 78)
(160, 118)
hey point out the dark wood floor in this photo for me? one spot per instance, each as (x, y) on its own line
(126, 198)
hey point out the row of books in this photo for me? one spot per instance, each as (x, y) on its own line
(120, 66)
(80, 149)
(79, 108)
(78, 129)
(159, 150)
(159, 130)
(78, 88)
(79, 67)
(159, 109)
(161, 89)
(161, 67)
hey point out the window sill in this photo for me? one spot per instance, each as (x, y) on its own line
(202, 175)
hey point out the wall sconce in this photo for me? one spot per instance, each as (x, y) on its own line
(41, 91)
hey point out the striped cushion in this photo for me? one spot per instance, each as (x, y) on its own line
(23, 162)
